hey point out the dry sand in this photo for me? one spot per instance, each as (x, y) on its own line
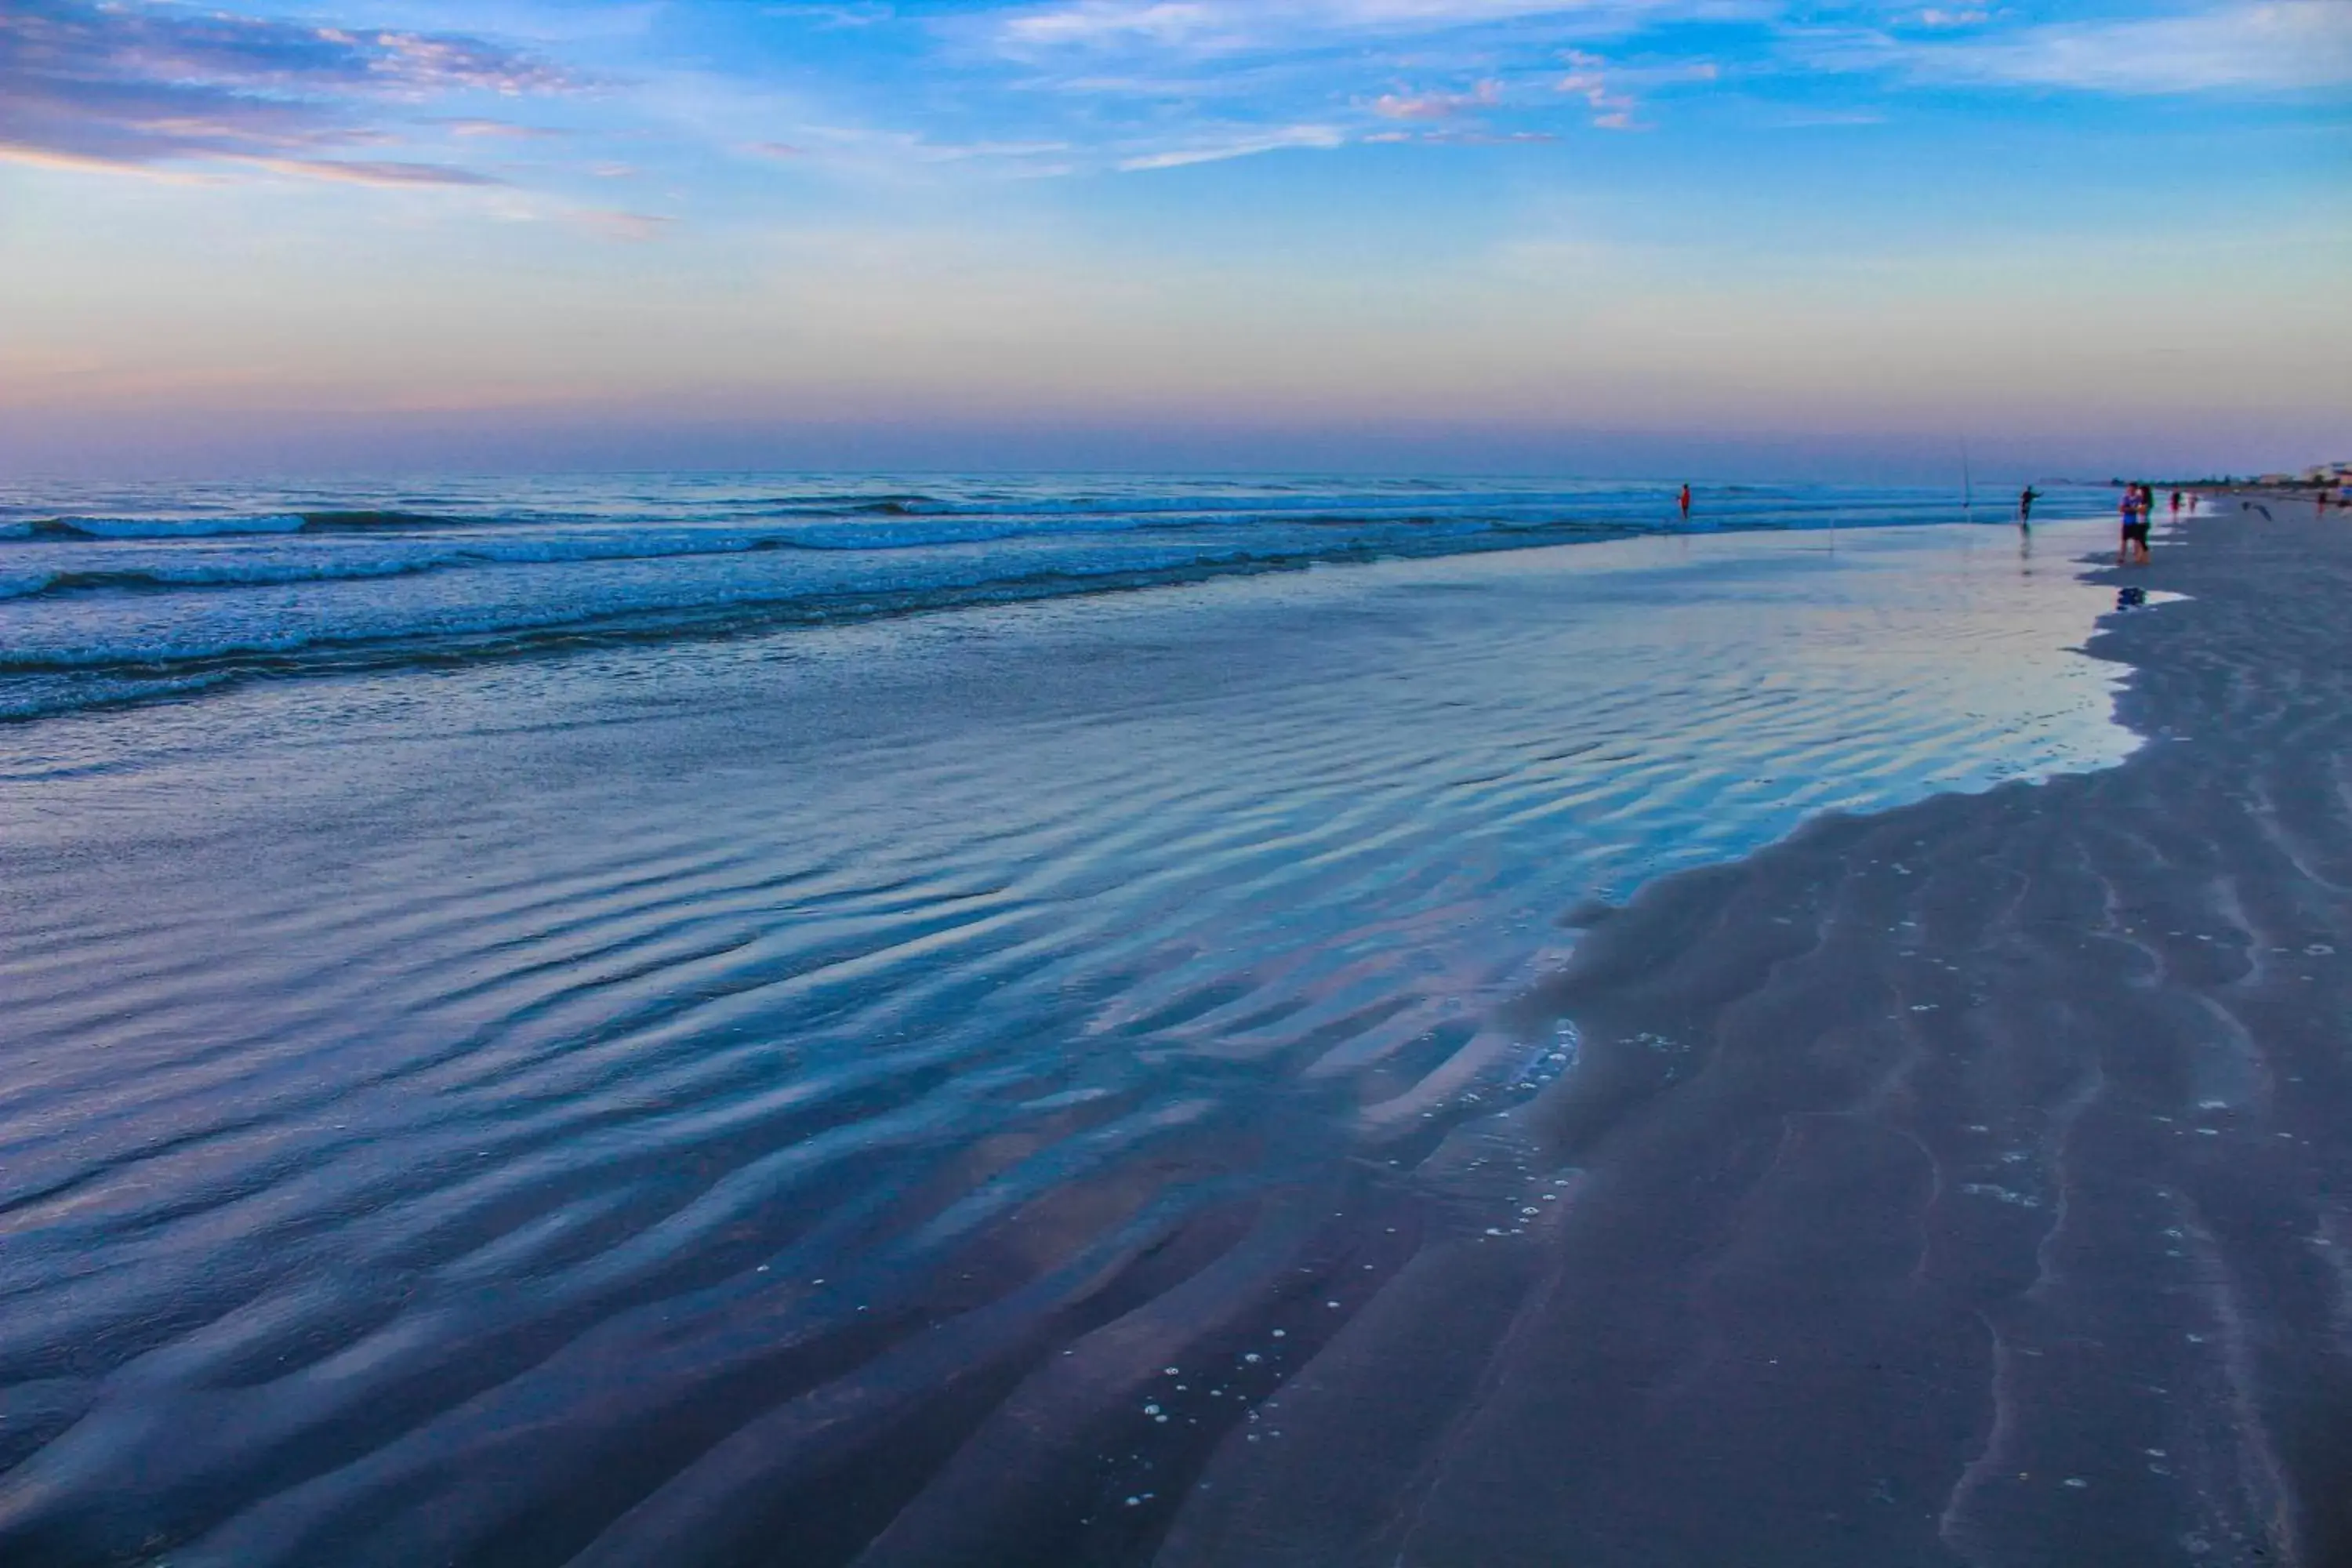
(1971, 1185)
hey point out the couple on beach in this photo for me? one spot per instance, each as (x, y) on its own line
(2139, 515)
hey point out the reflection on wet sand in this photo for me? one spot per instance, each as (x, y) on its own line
(1043, 1085)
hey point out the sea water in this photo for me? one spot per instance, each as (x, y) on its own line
(448, 1095)
(111, 593)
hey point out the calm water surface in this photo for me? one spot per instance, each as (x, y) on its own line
(792, 1097)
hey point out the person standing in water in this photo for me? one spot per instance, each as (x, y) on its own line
(1683, 500)
(2025, 506)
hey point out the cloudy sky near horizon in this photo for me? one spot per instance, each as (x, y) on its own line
(377, 234)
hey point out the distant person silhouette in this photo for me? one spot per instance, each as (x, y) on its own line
(1685, 499)
(2133, 550)
(2176, 503)
(2025, 506)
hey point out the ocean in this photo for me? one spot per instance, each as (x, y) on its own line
(111, 594)
(657, 1020)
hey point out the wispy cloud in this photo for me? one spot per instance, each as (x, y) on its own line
(501, 130)
(1098, 22)
(1276, 65)
(355, 171)
(1454, 119)
(50, 158)
(1477, 137)
(1587, 79)
(870, 146)
(2273, 45)
(836, 16)
(634, 228)
(1231, 26)
(1437, 105)
(1611, 90)
(135, 84)
(1245, 146)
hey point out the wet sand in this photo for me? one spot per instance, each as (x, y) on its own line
(1967, 1184)
(1163, 1139)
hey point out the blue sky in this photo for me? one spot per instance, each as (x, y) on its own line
(1617, 236)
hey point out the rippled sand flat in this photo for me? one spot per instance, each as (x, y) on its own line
(1060, 1082)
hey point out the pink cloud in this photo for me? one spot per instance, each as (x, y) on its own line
(357, 172)
(502, 130)
(1487, 137)
(1590, 82)
(1437, 105)
(124, 85)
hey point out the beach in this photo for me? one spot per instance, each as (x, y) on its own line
(1800, 1045)
(1965, 1183)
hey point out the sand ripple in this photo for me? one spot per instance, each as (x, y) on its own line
(837, 1116)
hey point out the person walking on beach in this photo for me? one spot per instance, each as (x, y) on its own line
(2176, 503)
(2025, 506)
(2134, 549)
(1684, 499)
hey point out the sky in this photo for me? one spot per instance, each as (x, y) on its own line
(1619, 236)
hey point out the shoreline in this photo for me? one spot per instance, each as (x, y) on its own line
(864, 1221)
(1963, 1185)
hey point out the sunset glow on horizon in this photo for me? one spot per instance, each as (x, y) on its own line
(362, 235)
